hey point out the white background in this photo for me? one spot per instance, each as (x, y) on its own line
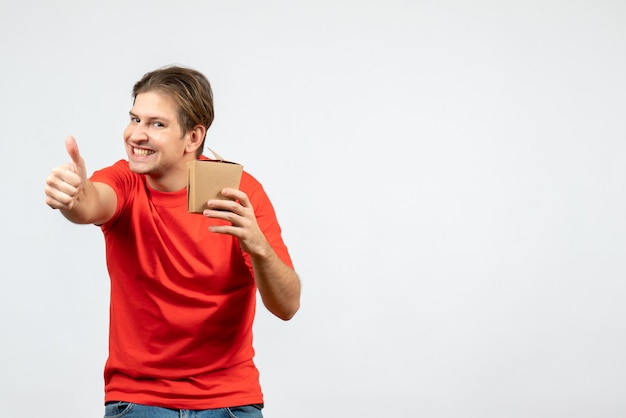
(450, 177)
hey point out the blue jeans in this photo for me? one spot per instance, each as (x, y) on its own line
(133, 410)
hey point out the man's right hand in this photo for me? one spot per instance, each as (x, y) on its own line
(66, 182)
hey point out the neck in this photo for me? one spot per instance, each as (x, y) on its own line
(174, 180)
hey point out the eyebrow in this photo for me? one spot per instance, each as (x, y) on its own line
(149, 118)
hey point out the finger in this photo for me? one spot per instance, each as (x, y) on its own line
(226, 230)
(62, 187)
(64, 175)
(237, 195)
(223, 214)
(72, 149)
(58, 199)
(222, 204)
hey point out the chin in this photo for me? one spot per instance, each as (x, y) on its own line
(138, 168)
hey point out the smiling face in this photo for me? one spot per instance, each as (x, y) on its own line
(156, 143)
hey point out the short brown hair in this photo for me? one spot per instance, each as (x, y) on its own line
(189, 88)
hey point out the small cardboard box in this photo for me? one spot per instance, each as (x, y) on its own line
(207, 178)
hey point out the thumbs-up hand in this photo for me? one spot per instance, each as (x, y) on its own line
(65, 182)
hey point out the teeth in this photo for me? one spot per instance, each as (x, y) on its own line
(142, 152)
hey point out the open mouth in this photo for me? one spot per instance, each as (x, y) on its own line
(142, 152)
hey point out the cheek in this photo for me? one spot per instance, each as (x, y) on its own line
(127, 132)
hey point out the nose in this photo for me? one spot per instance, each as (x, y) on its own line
(136, 132)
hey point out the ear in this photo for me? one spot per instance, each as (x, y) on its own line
(196, 136)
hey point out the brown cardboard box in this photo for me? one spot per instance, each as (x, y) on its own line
(207, 178)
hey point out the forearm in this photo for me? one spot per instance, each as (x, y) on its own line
(278, 284)
(89, 207)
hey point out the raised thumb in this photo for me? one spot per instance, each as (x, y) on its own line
(77, 161)
(72, 149)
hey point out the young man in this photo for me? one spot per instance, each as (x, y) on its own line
(183, 286)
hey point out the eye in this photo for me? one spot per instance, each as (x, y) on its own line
(134, 119)
(157, 124)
